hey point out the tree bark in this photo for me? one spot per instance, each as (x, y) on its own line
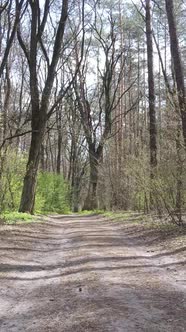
(30, 179)
(176, 57)
(91, 202)
(6, 102)
(152, 111)
(59, 141)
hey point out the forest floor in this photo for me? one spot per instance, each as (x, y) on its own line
(87, 273)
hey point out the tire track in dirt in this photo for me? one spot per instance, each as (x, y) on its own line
(78, 274)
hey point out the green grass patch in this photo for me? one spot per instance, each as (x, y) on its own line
(115, 216)
(118, 215)
(90, 212)
(124, 216)
(11, 218)
(147, 223)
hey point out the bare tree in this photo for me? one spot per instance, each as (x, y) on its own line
(39, 105)
(177, 62)
(11, 33)
(97, 107)
(152, 110)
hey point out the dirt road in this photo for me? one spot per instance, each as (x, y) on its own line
(78, 274)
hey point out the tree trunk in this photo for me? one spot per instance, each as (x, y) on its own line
(75, 195)
(91, 202)
(179, 179)
(6, 102)
(59, 141)
(42, 157)
(29, 184)
(152, 111)
(176, 57)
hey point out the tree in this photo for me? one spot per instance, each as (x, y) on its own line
(88, 120)
(152, 111)
(39, 104)
(97, 107)
(177, 62)
(11, 33)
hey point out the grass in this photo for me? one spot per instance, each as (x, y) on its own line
(147, 221)
(11, 218)
(116, 215)
(90, 212)
(124, 215)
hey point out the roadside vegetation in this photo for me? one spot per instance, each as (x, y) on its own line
(11, 218)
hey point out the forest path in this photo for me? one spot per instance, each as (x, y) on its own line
(78, 274)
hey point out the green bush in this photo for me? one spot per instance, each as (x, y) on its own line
(11, 180)
(14, 217)
(52, 193)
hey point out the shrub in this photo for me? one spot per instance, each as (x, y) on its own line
(14, 217)
(11, 180)
(52, 193)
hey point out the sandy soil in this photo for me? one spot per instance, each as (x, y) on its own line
(78, 274)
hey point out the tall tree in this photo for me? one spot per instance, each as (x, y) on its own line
(97, 106)
(152, 110)
(177, 62)
(39, 104)
(11, 30)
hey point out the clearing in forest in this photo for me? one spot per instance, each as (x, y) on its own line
(86, 273)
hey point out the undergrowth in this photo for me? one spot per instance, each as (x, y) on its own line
(52, 194)
(147, 221)
(16, 217)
